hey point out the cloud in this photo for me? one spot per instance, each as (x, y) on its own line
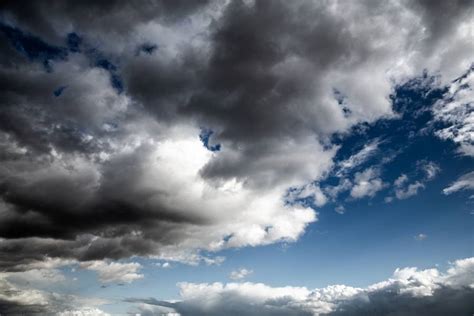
(409, 191)
(103, 18)
(185, 201)
(112, 166)
(366, 183)
(340, 209)
(358, 158)
(114, 271)
(430, 168)
(310, 191)
(465, 182)
(421, 236)
(20, 300)
(403, 189)
(455, 113)
(34, 277)
(239, 274)
(84, 312)
(334, 191)
(400, 181)
(409, 291)
(164, 265)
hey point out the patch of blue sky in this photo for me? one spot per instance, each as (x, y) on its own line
(147, 48)
(205, 137)
(57, 92)
(398, 143)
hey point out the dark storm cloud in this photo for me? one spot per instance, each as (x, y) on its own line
(258, 88)
(13, 308)
(244, 88)
(35, 118)
(32, 47)
(114, 16)
(91, 92)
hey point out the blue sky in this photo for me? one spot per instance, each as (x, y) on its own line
(236, 158)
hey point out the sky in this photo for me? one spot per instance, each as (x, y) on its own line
(237, 157)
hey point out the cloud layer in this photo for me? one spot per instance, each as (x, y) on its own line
(184, 130)
(410, 291)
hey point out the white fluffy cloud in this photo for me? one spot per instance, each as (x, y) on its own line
(366, 183)
(410, 291)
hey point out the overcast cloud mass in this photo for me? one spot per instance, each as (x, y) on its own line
(174, 131)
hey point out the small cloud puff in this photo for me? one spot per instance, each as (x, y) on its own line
(421, 237)
(240, 274)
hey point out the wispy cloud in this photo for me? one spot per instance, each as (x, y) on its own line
(357, 159)
(465, 182)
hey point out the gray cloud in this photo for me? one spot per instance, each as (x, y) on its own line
(16, 300)
(97, 172)
(444, 301)
(111, 18)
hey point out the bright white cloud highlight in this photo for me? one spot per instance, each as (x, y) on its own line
(110, 272)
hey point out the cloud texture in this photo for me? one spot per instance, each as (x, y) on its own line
(100, 121)
(410, 291)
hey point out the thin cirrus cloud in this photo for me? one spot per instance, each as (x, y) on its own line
(114, 271)
(464, 182)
